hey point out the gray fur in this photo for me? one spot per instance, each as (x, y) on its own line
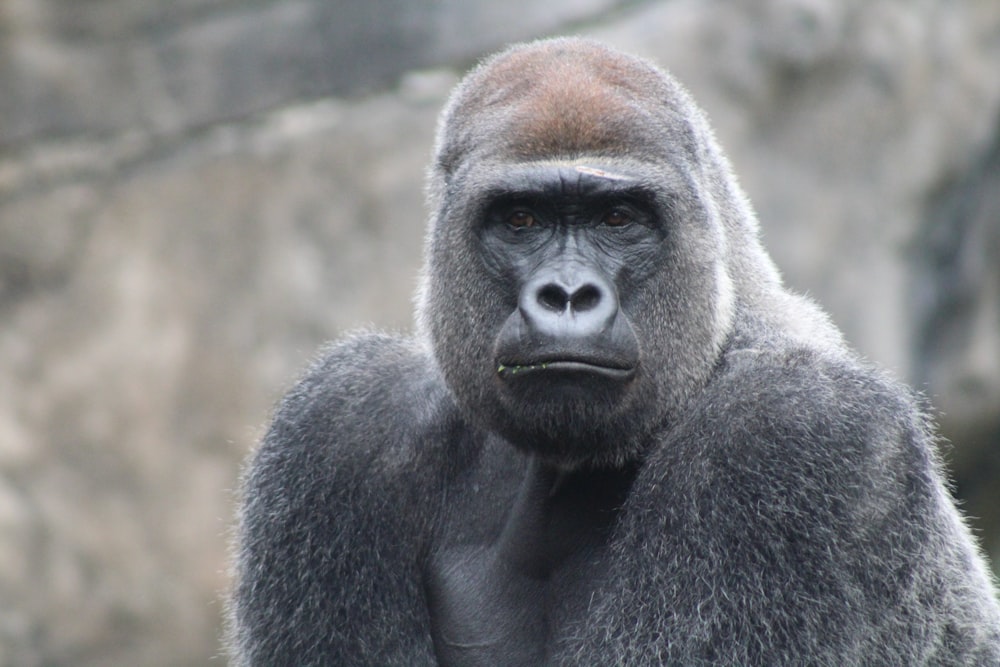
(788, 507)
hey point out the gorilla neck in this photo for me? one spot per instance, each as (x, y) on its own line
(559, 513)
(492, 604)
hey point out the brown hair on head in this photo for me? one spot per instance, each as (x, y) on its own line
(559, 98)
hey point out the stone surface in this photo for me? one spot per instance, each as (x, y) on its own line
(150, 325)
(194, 195)
(181, 65)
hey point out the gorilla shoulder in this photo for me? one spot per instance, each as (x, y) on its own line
(370, 395)
(819, 401)
(369, 408)
(341, 491)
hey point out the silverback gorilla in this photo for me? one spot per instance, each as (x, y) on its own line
(617, 439)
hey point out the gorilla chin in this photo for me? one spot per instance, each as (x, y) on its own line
(570, 413)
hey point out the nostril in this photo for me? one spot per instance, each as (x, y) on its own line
(553, 297)
(553, 308)
(586, 298)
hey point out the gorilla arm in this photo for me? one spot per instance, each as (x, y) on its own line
(796, 516)
(335, 514)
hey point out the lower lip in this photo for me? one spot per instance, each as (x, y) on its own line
(509, 372)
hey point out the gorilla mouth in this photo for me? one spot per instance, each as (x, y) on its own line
(567, 367)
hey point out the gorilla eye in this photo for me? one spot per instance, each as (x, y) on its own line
(521, 218)
(616, 217)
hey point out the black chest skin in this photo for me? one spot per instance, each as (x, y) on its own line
(503, 595)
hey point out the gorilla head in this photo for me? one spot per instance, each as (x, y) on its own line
(577, 290)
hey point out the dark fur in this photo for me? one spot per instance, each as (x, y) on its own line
(770, 499)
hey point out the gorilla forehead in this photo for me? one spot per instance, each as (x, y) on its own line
(556, 180)
(563, 98)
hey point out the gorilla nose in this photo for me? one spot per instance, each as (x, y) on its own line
(585, 305)
(558, 299)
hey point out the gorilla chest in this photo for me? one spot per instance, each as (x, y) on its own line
(509, 599)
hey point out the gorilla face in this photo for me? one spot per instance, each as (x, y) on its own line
(564, 245)
(559, 242)
(576, 293)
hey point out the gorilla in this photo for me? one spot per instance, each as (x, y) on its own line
(615, 439)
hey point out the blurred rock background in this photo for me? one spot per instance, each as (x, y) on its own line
(194, 194)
